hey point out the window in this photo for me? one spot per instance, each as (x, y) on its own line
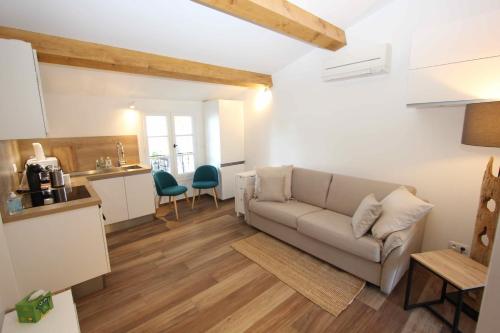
(181, 140)
(158, 143)
(184, 143)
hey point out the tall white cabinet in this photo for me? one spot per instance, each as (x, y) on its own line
(224, 132)
(21, 102)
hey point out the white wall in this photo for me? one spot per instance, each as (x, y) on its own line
(362, 127)
(84, 115)
(9, 294)
(72, 115)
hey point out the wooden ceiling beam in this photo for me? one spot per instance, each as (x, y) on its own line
(66, 51)
(283, 17)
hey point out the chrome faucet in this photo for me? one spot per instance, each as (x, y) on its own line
(121, 154)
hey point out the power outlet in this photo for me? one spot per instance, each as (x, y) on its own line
(459, 247)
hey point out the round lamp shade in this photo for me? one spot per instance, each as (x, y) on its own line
(482, 125)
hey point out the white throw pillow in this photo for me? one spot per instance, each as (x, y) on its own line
(272, 188)
(285, 171)
(400, 209)
(365, 216)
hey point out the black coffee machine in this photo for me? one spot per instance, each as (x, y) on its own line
(34, 174)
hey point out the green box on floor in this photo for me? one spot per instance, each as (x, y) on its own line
(32, 311)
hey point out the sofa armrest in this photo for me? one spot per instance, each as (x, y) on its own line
(247, 196)
(396, 240)
(396, 254)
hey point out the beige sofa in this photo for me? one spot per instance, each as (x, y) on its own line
(318, 221)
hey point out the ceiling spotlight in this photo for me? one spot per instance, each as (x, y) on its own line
(131, 105)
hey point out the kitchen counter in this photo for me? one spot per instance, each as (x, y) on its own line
(77, 179)
(114, 172)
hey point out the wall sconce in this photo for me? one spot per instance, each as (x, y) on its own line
(263, 99)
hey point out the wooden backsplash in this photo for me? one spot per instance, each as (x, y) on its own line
(80, 154)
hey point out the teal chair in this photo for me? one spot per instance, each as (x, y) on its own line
(166, 186)
(205, 177)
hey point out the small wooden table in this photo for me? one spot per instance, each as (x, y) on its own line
(453, 268)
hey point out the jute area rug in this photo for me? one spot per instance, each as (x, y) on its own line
(328, 287)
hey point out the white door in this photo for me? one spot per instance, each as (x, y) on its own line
(183, 142)
(171, 143)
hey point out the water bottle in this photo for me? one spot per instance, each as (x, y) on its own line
(14, 203)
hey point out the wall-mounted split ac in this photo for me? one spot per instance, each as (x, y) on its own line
(357, 61)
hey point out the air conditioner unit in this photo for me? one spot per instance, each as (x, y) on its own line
(355, 61)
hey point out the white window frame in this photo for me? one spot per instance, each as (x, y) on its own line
(172, 140)
(195, 141)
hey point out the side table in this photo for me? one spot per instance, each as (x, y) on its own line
(453, 268)
(242, 179)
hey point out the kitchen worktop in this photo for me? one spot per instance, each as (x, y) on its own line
(77, 179)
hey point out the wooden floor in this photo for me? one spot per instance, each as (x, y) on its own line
(185, 277)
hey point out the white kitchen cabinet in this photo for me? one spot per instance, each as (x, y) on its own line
(126, 198)
(224, 133)
(455, 62)
(114, 200)
(21, 101)
(57, 251)
(140, 195)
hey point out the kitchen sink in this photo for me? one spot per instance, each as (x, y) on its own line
(107, 170)
(131, 167)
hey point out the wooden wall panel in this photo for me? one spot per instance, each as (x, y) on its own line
(80, 154)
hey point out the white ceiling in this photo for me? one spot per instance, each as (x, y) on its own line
(177, 28)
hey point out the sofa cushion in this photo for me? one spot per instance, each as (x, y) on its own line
(368, 212)
(285, 213)
(335, 229)
(272, 188)
(285, 171)
(310, 186)
(346, 192)
(400, 210)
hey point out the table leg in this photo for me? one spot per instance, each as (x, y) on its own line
(458, 311)
(409, 284)
(443, 290)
